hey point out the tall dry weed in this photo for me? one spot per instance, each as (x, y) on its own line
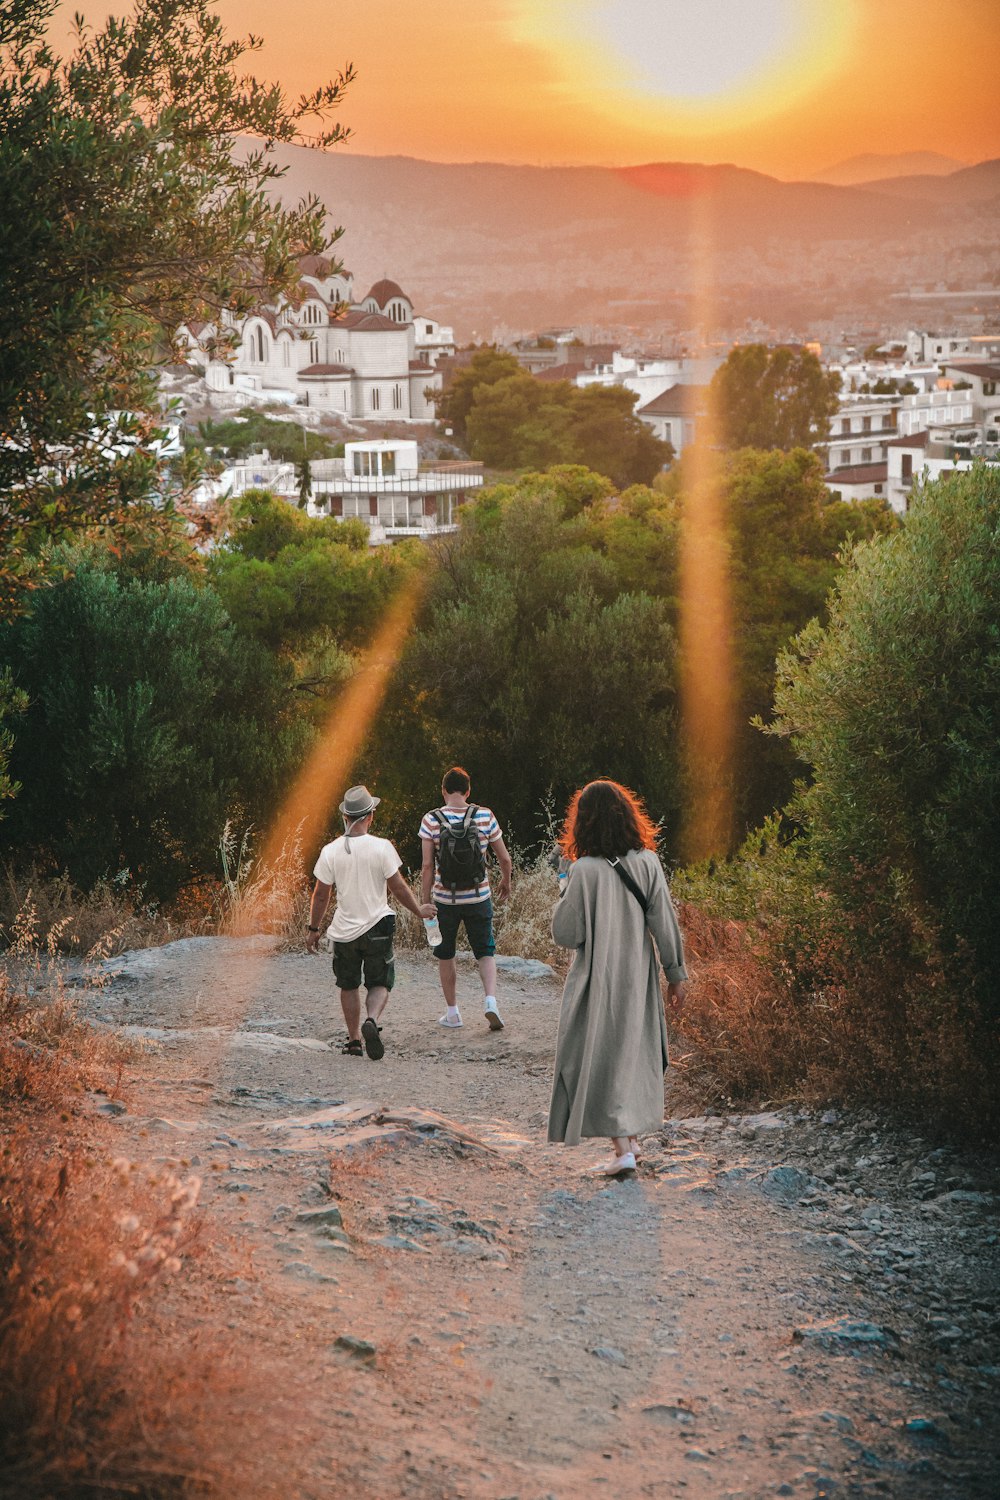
(99, 1393)
(748, 1041)
(49, 1051)
(255, 897)
(113, 914)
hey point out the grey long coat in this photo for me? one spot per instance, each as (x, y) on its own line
(611, 1049)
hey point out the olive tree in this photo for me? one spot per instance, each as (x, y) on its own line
(132, 202)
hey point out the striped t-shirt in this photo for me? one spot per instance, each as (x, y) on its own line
(488, 832)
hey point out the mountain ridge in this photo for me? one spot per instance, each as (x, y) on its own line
(491, 243)
(871, 166)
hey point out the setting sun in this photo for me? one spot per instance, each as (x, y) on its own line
(689, 69)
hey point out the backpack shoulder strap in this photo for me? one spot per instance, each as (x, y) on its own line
(470, 817)
(628, 882)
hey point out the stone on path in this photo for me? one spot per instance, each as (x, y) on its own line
(356, 1348)
(846, 1332)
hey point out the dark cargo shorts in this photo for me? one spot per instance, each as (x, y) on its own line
(371, 954)
(478, 919)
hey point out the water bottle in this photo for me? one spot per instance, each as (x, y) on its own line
(433, 931)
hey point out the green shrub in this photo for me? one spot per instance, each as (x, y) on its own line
(860, 956)
(149, 719)
(895, 705)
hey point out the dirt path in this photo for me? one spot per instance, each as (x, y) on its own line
(777, 1305)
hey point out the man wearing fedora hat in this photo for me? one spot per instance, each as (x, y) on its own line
(362, 868)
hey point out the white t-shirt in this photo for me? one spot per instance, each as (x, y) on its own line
(359, 867)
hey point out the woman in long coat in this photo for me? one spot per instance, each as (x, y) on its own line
(611, 1048)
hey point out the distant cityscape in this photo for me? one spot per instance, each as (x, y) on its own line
(370, 369)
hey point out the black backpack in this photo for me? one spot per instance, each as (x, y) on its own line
(460, 861)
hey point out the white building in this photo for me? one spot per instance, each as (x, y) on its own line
(868, 481)
(859, 432)
(674, 415)
(939, 348)
(383, 484)
(650, 376)
(371, 361)
(932, 452)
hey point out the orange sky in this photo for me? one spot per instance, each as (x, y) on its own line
(783, 86)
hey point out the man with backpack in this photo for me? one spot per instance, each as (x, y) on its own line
(454, 839)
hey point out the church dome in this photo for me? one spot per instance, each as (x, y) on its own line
(383, 292)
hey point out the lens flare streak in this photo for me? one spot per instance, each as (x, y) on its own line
(304, 815)
(706, 627)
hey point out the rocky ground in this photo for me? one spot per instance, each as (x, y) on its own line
(783, 1303)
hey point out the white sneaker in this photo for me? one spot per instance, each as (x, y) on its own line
(616, 1167)
(492, 1014)
(450, 1020)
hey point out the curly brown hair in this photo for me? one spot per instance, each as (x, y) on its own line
(607, 820)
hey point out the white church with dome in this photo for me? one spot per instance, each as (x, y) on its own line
(373, 360)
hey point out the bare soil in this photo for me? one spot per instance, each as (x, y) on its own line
(790, 1303)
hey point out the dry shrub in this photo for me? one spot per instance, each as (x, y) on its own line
(112, 914)
(748, 1040)
(99, 1393)
(524, 924)
(82, 1246)
(840, 1009)
(48, 1050)
(255, 897)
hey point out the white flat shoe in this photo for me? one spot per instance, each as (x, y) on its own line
(447, 1020)
(615, 1167)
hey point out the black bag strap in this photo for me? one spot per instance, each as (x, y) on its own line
(628, 882)
(467, 817)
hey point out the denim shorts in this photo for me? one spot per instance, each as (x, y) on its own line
(478, 919)
(371, 954)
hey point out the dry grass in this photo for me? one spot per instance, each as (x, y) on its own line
(113, 915)
(100, 1393)
(777, 1014)
(84, 1244)
(524, 925)
(48, 1051)
(255, 897)
(748, 1041)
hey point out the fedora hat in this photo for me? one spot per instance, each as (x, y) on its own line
(358, 802)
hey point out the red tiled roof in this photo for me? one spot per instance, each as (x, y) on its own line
(858, 474)
(367, 322)
(561, 372)
(383, 291)
(678, 401)
(323, 372)
(417, 367)
(319, 266)
(911, 440)
(984, 367)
